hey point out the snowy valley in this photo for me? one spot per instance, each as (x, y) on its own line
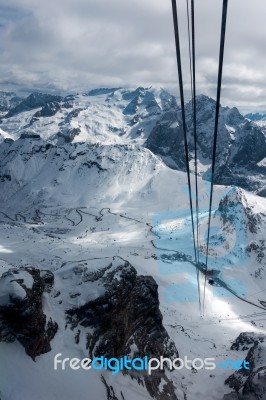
(96, 252)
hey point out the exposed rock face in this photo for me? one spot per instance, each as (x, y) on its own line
(8, 100)
(110, 393)
(143, 100)
(250, 384)
(101, 91)
(34, 100)
(239, 214)
(246, 340)
(262, 192)
(126, 320)
(48, 110)
(21, 313)
(115, 310)
(243, 162)
(234, 203)
(130, 95)
(241, 144)
(72, 114)
(167, 140)
(69, 134)
(29, 136)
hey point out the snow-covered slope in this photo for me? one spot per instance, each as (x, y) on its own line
(92, 220)
(151, 118)
(118, 116)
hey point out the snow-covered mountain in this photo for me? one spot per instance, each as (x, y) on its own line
(96, 254)
(241, 146)
(150, 118)
(8, 101)
(256, 116)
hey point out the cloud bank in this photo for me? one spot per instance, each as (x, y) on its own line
(75, 45)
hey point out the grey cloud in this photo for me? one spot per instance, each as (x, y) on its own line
(79, 44)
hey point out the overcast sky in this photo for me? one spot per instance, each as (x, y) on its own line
(74, 45)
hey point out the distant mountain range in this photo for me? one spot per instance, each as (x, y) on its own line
(256, 116)
(150, 118)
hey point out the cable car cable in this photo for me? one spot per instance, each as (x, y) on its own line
(180, 78)
(219, 84)
(195, 137)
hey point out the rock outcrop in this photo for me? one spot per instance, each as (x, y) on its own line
(241, 144)
(249, 384)
(126, 321)
(21, 312)
(34, 100)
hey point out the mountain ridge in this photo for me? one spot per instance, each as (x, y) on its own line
(150, 117)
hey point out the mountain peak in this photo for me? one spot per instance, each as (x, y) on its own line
(204, 99)
(34, 100)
